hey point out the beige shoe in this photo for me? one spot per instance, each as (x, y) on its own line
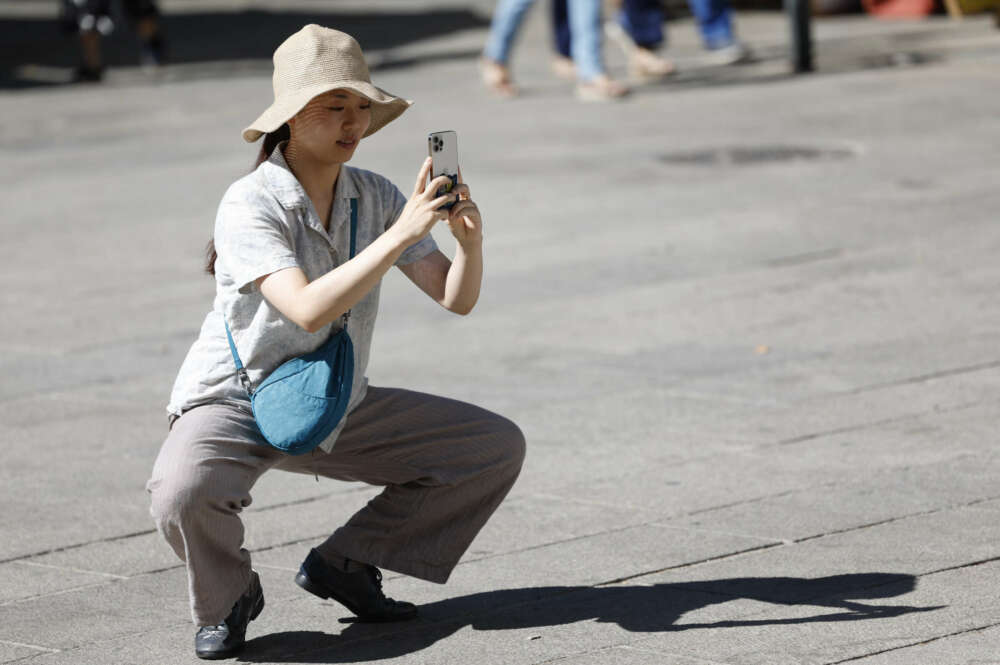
(496, 78)
(564, 68)
(646, 65)
(601, 89)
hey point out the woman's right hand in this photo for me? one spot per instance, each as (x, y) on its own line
(422, 212)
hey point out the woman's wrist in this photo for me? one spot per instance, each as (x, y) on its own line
(400, 240)
(471, 247)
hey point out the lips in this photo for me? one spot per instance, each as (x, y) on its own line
(347, 143)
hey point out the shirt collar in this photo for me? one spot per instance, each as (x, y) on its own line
(289, 191)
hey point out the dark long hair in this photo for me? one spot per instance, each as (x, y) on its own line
(271, 141)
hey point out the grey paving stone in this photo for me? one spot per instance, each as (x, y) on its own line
(118, 610)
(552, 520)
(75, 618)
(746, 475)
(974, 647)
(912, 546)
(20, 580)
(10, 652)
(834, 507)
(127, 557)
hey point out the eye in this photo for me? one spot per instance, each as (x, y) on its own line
(367, 106)
(335, 108)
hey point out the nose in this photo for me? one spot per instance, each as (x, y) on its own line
(352, 118)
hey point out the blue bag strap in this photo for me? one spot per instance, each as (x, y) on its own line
(354, 242)
(354, 226)
(240, 371)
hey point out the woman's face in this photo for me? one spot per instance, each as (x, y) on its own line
(331, 125)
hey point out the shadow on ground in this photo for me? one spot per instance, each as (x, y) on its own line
(641, 609)
(219, 36)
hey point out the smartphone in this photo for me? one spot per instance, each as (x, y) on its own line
(443, 149)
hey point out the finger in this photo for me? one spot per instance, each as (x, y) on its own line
(425, 169)
(463, 208)
(440, 201)
(462, 192)
(461, 181)
(436, 184)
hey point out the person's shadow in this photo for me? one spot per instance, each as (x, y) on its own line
(641, 609)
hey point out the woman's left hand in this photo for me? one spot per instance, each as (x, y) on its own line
(464, 220)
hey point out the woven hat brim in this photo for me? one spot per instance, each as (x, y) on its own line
(385, 107)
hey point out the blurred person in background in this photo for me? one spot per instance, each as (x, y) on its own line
(584, 23)
(301, 244)
(637, 28)
(92, 19)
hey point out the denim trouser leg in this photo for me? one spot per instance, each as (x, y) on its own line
(643, 21)
(585, 28)
(560, 27)
(507, 18)
(714, 21)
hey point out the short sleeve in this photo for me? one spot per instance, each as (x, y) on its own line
(251, 244)
(395, 203)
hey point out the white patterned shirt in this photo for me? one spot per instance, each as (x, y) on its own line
(265, 223)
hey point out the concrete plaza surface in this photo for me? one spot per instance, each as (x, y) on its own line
(747, 321)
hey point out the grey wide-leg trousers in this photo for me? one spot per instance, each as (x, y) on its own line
(446, 466)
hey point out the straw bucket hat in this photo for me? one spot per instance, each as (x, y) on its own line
(316, 60)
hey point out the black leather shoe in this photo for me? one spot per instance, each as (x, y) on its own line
(359, 591)
(226, 639)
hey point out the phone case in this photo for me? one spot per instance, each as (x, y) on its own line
(443, 149)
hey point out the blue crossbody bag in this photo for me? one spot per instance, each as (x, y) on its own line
(301, 402)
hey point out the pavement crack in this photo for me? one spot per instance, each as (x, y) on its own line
(67, 548)
(71, 569)
(900, 518)
(806, 257)
(690, 564)
(869, 425)
(977, 629)
(839, 430)
(968, 369)
(30, 646)
(61, 592)
(971, 564)
(753, 500)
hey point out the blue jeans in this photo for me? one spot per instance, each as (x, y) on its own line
(583, 21)
(643, 21)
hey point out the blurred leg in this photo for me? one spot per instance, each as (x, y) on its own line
(714, 22)
(145, 18)
(90, 50)
(585, 31)
(639, 32)
(643, 21)
(507, 18)
(560, 28)
(562, 62)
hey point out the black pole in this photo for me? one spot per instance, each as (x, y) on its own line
(799, 16)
